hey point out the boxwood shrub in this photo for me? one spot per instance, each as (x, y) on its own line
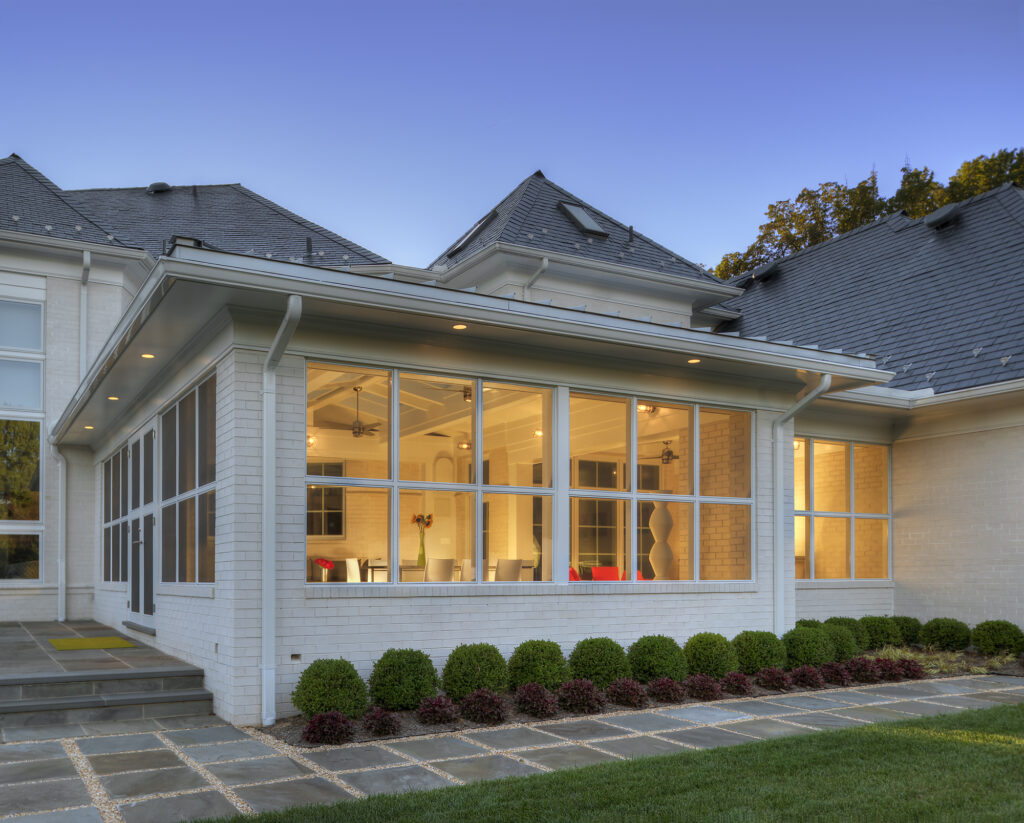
(806, 646)
(599, 660)
(843, 645)
(882, 631)
(946, 633)
(473, 666)
(860, 634)
(402, 678)
(758, 650)
(996, 637)
(809, 623)
(711, 654)
(910, 628)
(330, 686)
(654, 656)
(538, 661)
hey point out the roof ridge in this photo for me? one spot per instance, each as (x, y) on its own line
(59, 193)
(144, 188)
(308, 224)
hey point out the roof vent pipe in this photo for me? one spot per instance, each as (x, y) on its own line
(156, 188)
(943, 217)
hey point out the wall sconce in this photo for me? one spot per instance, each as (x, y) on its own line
(310, 441)
(465, 445)
(467, 394)
(646, 408)
(538, 433)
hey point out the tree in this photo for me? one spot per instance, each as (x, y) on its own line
(987, 172)
(918, 193)
(19, 470)
(816, 215)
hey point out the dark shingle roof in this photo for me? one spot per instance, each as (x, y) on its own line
(530, 216)
(227, 217)
(37, 203)
(943, 308)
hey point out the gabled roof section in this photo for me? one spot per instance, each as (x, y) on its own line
(227, 217)
(31, 203)
(941, 305)
(534, 215)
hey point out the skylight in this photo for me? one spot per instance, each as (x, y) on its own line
(581, 217)
(470, 235)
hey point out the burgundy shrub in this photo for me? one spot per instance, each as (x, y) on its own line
(807, 677)
(533, 699)
(774, 678)
(580, 696)
(483, 706)
(666, 690)
(889, 669)
(381, 723)
(626, 692)
(434, 710)
(911, 669)
(836, 674)
(327, 728)
(863, 670)
(736, 683)
(702, 687)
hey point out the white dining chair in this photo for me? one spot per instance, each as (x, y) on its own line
(439, 570)
(352, 573)
(508, 569)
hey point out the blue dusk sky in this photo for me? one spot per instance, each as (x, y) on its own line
(399, 124)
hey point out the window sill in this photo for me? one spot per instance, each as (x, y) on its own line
(207, 590)
(320, 591)
(844, 584)
(21, 583)
(118, 588)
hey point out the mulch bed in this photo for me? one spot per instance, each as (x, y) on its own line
(290, 729)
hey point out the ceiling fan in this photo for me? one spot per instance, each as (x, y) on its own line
(666, 456)
(324, 418)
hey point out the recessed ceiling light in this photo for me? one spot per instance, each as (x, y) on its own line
(148, 356)
(88, 428)
(693, 360)
(113, 397)
(459, 326)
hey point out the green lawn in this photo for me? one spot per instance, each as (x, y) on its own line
(967, 766)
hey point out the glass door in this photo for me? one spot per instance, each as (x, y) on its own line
(142, 513)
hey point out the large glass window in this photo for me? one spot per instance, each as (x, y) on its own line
(841, 498)
(188, 487)
(452, 461)
(19, 499)
(420, 477)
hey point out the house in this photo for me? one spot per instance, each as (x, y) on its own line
(199, 386)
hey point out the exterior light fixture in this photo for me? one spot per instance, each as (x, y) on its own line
(148, 356)
(693, 361)
(113, 397)
(459, 327)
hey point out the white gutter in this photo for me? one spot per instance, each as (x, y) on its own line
(534, 278)
(62, 529)
(83, 316)
(269, 526)
(779, 453)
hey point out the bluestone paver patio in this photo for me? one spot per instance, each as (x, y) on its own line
(186, 768)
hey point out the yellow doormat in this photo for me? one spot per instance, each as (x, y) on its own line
(65, 644)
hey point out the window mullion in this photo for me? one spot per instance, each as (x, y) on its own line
(477, 440)
(695, 528)
(633, 517)
(810, 505)
(394, 412)
(561, 464)
(853, 507)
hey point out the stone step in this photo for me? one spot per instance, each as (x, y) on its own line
(45, 711)
(79, 684)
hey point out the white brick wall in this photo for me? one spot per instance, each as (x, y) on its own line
(823, 602)
(959, 526)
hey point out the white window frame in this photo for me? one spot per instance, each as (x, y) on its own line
(559, 491)
(851, 516)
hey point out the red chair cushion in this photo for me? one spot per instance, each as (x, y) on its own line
(573, 574)
(605, 572)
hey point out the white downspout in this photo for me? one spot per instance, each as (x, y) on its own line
(534, 278)
(83, 317)
(62, 530)
(779, 453)
(269, 525)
